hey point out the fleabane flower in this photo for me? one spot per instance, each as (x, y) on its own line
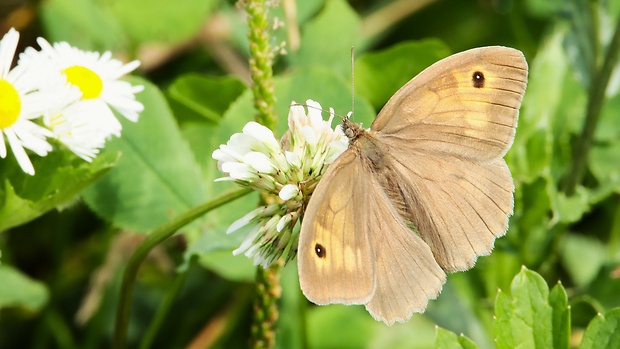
(72, 124)
(85, 123)
(288, 170)
(20, 103)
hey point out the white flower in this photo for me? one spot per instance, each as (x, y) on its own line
(87, 121)
(288, 170)
(20, 103)
(73, 125)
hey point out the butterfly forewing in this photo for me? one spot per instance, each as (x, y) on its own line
(336, 262)
(466, 105)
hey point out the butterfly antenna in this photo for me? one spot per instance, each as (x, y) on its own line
(320, 109)
(352, 80)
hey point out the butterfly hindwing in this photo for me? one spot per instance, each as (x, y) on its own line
(407, 275)
(459, 207)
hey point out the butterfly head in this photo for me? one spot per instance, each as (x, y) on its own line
(351, 129)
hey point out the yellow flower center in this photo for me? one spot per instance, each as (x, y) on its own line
(86, 80)
(10, 104)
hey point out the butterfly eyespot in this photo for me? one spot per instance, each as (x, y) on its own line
(478, 79)
(320, 250)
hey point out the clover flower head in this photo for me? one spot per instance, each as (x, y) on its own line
(288, 171)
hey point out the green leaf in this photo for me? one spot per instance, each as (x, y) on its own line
(583, 309)
(235, 268)
(544, 8)
(156, 176)
(449, 340)
(568, 209)
(203, 97)
(561, 317)
(525, 319)
(581, 40)
(325, 326)
(60, 177)
(529, 227)
(82, 23)
(497, 269)
(502, 324)
(583, 257)
(605, 288)
(603, 162)
(20, 290)
(380, 74)
(459, 307)
(608, 129)
(161, 20)
(338, 326)
(324, 37)
(602, 332)
(531, 152)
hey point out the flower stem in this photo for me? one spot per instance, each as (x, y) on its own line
(261, 62)
(263, 334)
(596, 99)
(160, 234)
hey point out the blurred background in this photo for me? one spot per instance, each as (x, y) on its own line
(60, 271)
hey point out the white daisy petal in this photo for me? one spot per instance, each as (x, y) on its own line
(19, 152)
(2, 145)
(8, 44)
(23, 104)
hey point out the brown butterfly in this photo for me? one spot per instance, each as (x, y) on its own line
(423, 192)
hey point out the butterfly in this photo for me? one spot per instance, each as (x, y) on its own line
(423, 192)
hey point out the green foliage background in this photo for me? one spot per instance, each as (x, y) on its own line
(67, 233)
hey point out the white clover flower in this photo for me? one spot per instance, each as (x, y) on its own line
(85, 123)
(288, 170)
(20, 103)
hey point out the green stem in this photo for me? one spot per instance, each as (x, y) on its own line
(59, 329)
(165, 307)
(160, 234)
(265, 307)
(261, 62)
(595, 104)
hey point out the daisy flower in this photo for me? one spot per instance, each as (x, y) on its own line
(289, 170)
(85, 125)
(73, 125)
(20, 103)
